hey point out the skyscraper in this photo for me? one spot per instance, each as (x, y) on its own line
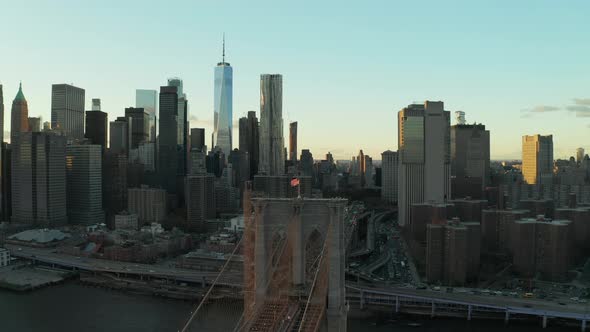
(424, 153)
(389, 177)
(272, 147)
(470, 152)
(249, 140)
(222, 107)
(114, 183)
(168, 139)
(119, 135)
(19, 116)
(67, 110)
(1, 115)
(148, 100)
(96, 127)
(35, 124)
(293, 141)
(200, 193)
(306, 163)
(537, 158)
(198, 139)
(579, 151)
(181, 124)
(139, 121)
(39, 179)
(2, 206)
(95, 104)
(84, 183)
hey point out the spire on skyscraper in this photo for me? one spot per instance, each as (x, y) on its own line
(20, 95)
(223, 52)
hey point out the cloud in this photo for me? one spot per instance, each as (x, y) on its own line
(541, 109)
(582, 101)
(581, 111)
(529, 112)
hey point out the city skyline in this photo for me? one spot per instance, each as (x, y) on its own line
(518, 78)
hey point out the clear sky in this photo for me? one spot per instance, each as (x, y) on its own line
(519, 67)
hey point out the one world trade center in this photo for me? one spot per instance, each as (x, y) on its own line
(222, 121)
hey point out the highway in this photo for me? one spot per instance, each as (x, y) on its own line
(518, 305)
(48, 256)
(354, 290)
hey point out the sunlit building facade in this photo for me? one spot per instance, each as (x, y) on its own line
(272, 147)
(537, 158)
(424, 151)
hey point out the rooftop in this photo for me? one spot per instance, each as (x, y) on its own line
(40, 235)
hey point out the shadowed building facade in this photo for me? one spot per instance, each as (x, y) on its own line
(96, 127)
(303, 239)
(84, 183)
(39, 179)
(249, 140)
(470, 153)
(67, 110)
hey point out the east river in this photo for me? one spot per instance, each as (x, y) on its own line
(73, 307)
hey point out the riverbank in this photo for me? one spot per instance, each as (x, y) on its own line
(143, 287)
(24, 277)
(72, 307)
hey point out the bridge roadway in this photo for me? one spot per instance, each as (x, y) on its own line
(396, 297)
(48, 256)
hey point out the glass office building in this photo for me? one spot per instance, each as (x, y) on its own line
(222, 118)
(148, 100)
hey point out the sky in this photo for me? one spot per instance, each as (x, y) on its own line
(519, 67)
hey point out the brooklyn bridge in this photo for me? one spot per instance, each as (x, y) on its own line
(293, 252)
